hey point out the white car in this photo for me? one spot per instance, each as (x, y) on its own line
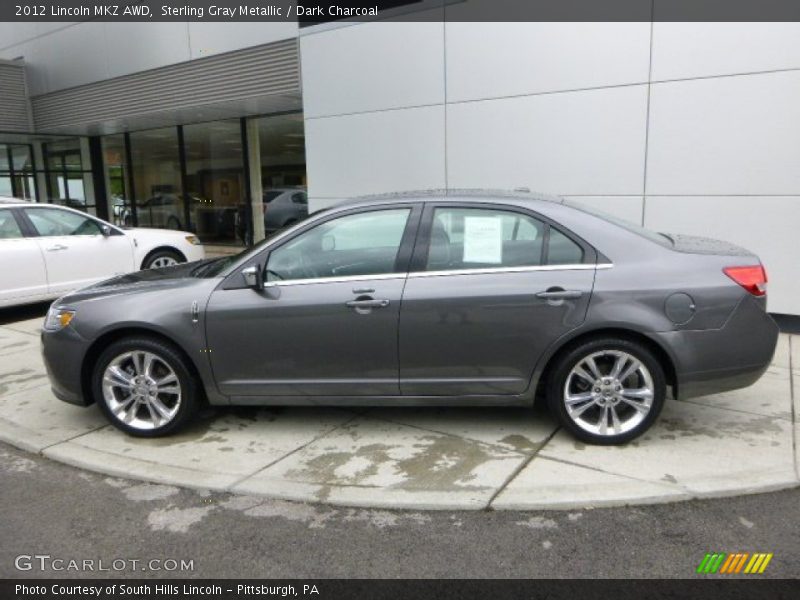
(47, 251)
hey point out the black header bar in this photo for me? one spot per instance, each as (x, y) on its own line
(313, 12)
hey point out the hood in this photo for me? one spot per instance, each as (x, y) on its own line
(692, 244)
(178, 276)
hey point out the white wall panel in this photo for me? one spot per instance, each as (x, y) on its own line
(623, 207)
(157, 44)
(765, 225)
(729, 135)
(487, 60)
(12, 34)
(684, 50)
(210, 37)
(575, 143)
(372, 66)
(74, 55)
(377, 152)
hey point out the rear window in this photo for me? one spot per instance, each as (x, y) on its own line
(659, 238)
(270, 196)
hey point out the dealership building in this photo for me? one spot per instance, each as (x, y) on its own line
(683, 127)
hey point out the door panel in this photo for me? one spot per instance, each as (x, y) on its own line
(481, 333)
(75, 251)
(303, 339)
(21, 263)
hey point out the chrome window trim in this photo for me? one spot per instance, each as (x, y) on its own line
(343, 279)
(490, 271)
(386, 276)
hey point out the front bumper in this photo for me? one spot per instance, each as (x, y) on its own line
(63, 353)
(711, 361)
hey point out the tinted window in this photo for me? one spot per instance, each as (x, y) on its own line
(51, 221)
(299, 198)
(270, 196)
(561, 250)
(359, 244)
(474, 238)
(9, 228)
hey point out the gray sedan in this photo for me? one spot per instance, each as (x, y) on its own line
(456, 298)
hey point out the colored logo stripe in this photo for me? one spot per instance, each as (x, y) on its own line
(734, 563)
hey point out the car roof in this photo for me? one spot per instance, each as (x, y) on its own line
(521, 195)
(10, 200)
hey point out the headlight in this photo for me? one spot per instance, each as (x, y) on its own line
(58, 318)
(192, 239)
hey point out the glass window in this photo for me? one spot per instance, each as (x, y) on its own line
(300, 198)
(52, 221)
(115, 160)
(475, 238)
(359, 244)
(157, 172)
(9, 228)
(214, 178)
(563, 251)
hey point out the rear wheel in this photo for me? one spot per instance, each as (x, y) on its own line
(144, 387)
(607, 391)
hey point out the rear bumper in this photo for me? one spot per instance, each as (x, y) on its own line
(717, 360)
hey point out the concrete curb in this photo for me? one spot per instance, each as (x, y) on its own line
(425, 459)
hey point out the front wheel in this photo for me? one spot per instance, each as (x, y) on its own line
(162, 258)
(144, 387)
(607, 391)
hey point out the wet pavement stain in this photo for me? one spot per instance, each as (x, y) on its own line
(446, 464)
(520, 443)
(12, 379)
(756, 426)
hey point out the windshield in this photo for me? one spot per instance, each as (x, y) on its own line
(659, 238)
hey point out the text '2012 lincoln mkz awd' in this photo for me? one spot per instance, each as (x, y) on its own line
(450, 298)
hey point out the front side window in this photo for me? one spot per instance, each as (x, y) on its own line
(52, 221)
(9, 228)
(476, 238)
(357, 244)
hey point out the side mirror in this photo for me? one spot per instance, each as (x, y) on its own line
(105, 230)
(254, 277)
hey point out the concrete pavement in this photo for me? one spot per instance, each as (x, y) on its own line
(66, 513)
(727, 444)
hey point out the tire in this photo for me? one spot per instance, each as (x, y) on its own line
(583, 414)
(145, 412)
(164, 257)
(173, 223)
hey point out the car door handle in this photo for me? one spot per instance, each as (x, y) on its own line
(368, 303)
(559, 294)
(57, 247)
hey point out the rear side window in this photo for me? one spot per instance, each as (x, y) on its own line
(299, 198)
(477, 238)
(481, 238)
(9, 228)
(561, 250)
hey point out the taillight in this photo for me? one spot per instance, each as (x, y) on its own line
(753, 279)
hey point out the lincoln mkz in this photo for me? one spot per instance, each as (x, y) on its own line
(456, 298)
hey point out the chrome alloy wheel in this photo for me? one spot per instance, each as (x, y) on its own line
(163, 261)
(608, 393)
(141, 390)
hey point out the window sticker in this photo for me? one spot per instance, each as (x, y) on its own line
(483, 240)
